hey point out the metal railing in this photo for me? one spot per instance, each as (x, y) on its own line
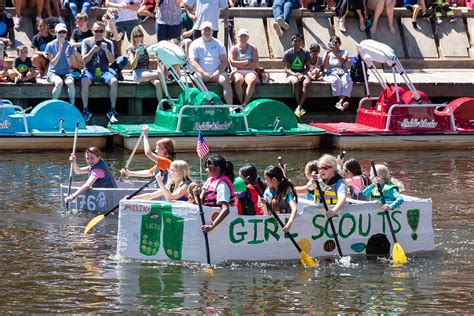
(9, 105)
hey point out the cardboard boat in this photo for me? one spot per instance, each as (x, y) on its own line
(172, 231)
(49, 126)
(400, 118)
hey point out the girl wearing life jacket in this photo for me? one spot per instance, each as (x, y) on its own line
(355, 179)
(247, 201)
(280, 195)
(391, 188)
(308, 189)
(218, 188)
(333, 185)
(100, 175)
(162, 157)
(177, 186)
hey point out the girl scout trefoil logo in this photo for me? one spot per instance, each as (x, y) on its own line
(161, 218)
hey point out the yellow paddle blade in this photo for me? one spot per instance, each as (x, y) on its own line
(306, 260)
(210, 271)
(93, 222)
(398, 254)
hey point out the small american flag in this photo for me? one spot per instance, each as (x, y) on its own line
(202, 149)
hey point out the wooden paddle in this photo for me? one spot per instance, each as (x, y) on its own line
(206, 239)
(74, 144)
(336, 239)
(132, 154)
(306, 260)
(97, 219)
(397, 253)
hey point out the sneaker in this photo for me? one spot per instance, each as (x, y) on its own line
(87, 116)
(17, 22)
(439, 21)
(452, 19)
(282, 23)
(415, 25)
(278, 29)
(112, 116)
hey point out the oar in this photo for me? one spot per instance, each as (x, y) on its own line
(97, 219)
(71, 168)
(282, 165)
(132, 154)
(336, 239)
(397, 253)
(306, 260)
(206, 239)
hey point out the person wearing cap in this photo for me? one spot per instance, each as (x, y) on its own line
(208, 11)
(61, 55)
(244, 60)
(208, 56)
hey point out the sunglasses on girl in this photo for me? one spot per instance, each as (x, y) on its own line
(138, 36)
(324, 168)
(98, 31)
(62, 32)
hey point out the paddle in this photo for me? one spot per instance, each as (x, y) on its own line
(306, 260)
(97, 219)
(336, 239)
(397, 253)
(206, 239)
(71, 168)
(282, 165)
(132, 154)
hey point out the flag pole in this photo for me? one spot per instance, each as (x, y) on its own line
(200, 168)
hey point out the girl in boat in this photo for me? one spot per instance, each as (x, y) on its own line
(391, 188)
(100, 175)
(355, 179)
(177, 186)
(280, 195)
(308, 189)
(218, 188)
(247, 201)
(162, 157)
(332, 184)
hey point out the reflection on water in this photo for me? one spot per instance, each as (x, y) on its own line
(47, 265)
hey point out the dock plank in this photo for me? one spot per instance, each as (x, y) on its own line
(383, 35)
(280, 44)
(453, 41)
(317, 29)
(352, 37)
(419, 43)
(258, 38)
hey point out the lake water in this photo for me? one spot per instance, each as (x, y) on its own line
(47, 265)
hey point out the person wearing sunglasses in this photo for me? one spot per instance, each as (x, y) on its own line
(61, 54)
(98, 54)
(332, 184)
(38, 43)
(140, 62)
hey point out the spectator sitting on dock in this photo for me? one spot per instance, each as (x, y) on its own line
(77, 5)
(39, 42)
(316, 70)
(416, 6)
(344, 6)
(22, 69)
(57, 8)
(187, 31)
(208, 11)
(97, 54)
(127, 17)
(7, 35)
(208, 56)
(377, 6)
(60, 53)
(140, 62)
(24, 4)
(282, 12)
(113, 34)
(81, 32)
(296, 64)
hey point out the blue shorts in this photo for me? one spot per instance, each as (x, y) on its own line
(75, 74)
(105, 77)
(409, 3)
(166, 32)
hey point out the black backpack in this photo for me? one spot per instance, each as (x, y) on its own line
(357, 74)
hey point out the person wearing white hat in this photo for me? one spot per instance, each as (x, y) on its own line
(208, 11)
(209, 57)
(62, 55)
(244, 60)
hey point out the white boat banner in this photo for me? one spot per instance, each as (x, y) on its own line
(172, 231)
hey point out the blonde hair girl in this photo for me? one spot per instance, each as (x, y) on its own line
(391, 188)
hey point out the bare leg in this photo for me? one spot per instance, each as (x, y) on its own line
(224, 81)
(85, 83)
(58, 85)
(39, 7)
(158, 89)
(251, 80)
(361, 20)
(389, 12)
(71, 90)
(113, 83)
(239, 80)
(379, 4)
(304, 92)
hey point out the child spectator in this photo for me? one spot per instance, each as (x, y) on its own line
(81, 32)
(7, 35)
(391, 188)
(316, 72)
(281, 13)
(244, 58)
(140, 62)
(60, 53)
(443, 5)
(39, 42)
(22, 70)
(296, 64)
(77, 5)
(416, 6)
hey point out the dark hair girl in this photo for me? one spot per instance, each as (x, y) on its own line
(247, 201)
